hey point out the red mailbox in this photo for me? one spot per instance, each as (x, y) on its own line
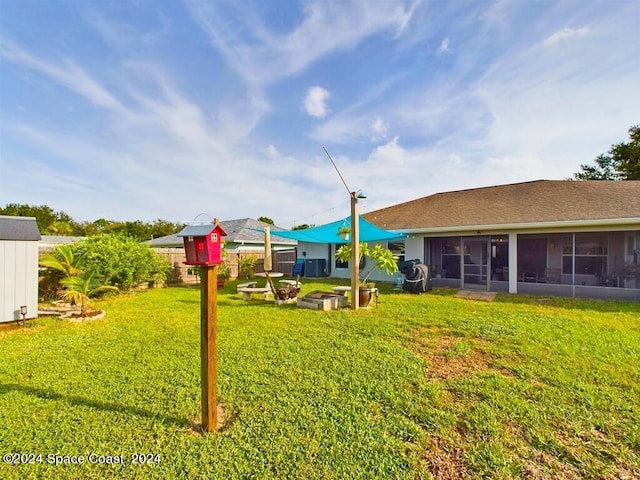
(203, 244)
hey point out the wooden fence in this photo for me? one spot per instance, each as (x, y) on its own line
(283, 261)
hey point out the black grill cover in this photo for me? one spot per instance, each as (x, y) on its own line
(416, 276)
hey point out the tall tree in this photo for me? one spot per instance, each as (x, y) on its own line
(626, 156)
(622, 162)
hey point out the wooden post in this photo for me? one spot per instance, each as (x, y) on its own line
(208, 361)
(355, 253)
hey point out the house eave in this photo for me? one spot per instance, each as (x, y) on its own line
(598, 224)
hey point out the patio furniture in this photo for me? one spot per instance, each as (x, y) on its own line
(551, 275)
(247, 291)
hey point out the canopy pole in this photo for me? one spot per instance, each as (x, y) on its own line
(355, 253)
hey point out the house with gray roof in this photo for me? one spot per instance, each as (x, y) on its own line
(244, 234)
(245, 237)
(564, 238)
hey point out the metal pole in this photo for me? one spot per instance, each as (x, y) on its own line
(355, 253)
(208, 361)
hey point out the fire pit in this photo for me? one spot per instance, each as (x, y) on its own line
(319, 300)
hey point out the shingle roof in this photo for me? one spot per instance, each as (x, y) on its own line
(242, 230)
(19, 228)
(541, 201)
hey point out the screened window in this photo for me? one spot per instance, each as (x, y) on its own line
(398, 250)
(590, 255)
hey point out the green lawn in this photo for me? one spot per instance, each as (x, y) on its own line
(420, 387)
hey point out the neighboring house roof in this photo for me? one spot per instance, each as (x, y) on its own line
(240, 231)
(60, 239)
(548, 202)
(19, 228)
(49, 243)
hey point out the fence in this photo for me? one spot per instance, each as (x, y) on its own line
(283, 261)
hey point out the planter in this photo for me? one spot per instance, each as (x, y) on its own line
(344, 236)
(364, 296)
(220, 282)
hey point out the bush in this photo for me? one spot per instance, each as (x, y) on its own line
(247, 266)
(121, 261)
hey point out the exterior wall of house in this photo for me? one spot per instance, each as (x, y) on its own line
(414, 248)
(313, 250)
(18, 279)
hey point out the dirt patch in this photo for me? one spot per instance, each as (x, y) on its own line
(445, 363)
(545, 467)
(444, 460)
(452, 357)
(76, 316)
(448, 358)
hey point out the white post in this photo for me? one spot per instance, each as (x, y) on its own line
(513, 263)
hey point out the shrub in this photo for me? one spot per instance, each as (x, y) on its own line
(247, 266)
(121, 261)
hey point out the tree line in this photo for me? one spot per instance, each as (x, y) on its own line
(51, 222)
(621, 162)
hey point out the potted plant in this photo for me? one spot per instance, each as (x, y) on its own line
(223, 274)
(384, 260)
(344, 232)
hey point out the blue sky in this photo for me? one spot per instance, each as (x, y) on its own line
(167, 109)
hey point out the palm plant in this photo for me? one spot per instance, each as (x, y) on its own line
(79, 289)
(79, 285)
(63, 260)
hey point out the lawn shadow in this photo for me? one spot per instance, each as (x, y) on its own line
(97, 404)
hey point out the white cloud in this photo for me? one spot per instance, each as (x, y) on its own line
(379, 128)
(69, 75)
(315, 103)
(172, 140)
(444, 46)
(390, 153)
(565, 34)
(325, 27)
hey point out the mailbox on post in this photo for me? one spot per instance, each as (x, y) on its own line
(203, 244)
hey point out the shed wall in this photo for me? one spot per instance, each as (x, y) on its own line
(18, 279)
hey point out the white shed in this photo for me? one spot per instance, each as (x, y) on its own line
(19, 237)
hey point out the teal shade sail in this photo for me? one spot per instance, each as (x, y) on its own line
(329, 233)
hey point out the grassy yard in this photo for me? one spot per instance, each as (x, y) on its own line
(427, 386)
